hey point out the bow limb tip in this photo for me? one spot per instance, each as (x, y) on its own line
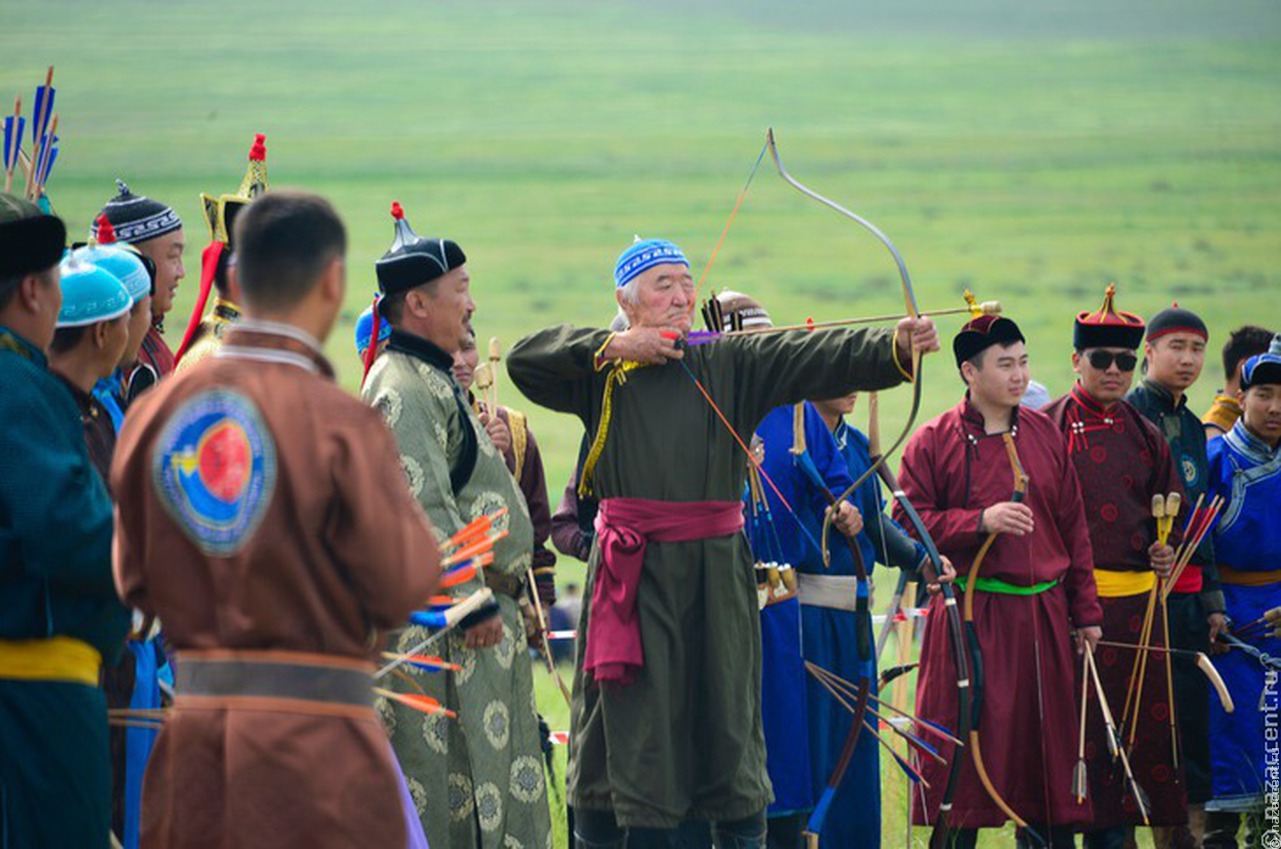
(1225, 697)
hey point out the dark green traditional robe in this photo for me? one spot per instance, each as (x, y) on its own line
(685, 740)
(55, 581)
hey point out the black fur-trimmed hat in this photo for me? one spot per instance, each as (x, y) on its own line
(1108, 327)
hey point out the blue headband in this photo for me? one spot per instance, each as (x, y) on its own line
(644, 255)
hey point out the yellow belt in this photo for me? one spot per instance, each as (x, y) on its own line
(52, 659)
(1115, 584)
(1228, 575)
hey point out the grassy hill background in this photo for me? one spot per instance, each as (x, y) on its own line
(1032, 152)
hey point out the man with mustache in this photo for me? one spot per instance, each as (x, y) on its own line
(666, 720)
(477, 780)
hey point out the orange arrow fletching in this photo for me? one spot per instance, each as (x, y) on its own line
(473, 529)
(479, 547)
(458, 576)
(425, 660)
(422, 704)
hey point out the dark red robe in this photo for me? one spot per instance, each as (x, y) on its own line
(1028, 726)
(1122, 460)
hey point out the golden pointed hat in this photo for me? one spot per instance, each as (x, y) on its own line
(220, 215)
(1108, 327)
(221, 211)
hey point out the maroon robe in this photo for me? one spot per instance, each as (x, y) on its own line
(532, 480)
(155, 360)
(338, 554)
(951, 471)
(1122, 460)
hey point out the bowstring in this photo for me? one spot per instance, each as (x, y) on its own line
(742, 195)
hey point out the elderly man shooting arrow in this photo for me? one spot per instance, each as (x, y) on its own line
(666, 722)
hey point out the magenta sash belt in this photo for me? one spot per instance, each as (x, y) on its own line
(623, 527)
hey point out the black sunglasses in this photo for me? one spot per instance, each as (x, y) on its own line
(1102, 360)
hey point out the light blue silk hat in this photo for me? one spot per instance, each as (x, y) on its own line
(90, 294)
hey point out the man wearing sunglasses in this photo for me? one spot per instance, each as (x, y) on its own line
(1122, 460)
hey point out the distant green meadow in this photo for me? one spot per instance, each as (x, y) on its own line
(1031, 152)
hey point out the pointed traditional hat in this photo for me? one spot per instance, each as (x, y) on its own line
(220, 215)
(1108, 327)
(413, 260)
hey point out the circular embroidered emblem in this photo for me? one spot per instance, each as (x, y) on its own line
(489, 806)
(1190, 476)
(461, 800)
(214, 468)
(527, 779)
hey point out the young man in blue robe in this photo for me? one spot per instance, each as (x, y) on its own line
(805, 726)
(1245, 469)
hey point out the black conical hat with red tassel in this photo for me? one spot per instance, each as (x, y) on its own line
(412, 260)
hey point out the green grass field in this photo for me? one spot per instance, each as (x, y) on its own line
(1032, 152)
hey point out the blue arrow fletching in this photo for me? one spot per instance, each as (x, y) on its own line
(42, 111)
(933, 726)
(911, 774)
(12, 141)
(921, 744)
(426, 667)
(428, 619)
(48, 156)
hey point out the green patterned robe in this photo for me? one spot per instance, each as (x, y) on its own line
(477, 780)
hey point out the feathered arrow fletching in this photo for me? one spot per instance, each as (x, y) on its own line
(422, 704)
(423, 661)
(13, 127)
(42, 110)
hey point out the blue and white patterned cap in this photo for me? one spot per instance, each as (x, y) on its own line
(643, 255)
(124, 264)
(90, 295)
(365, 328)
